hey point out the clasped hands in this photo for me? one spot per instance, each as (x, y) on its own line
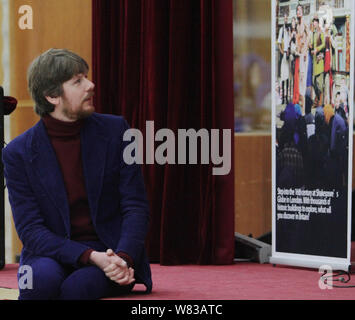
(113, 266)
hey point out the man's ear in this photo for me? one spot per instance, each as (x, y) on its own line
(53, 100)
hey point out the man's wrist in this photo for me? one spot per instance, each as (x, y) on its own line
(126, 258)
(85, 257)
(92, 257)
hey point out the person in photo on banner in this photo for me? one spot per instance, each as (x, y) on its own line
(290, 161)
(339, 107)
(302, 51)
(284, 47)
(328, 73)
(293, 55)
(80, 211)
(338, 145)
(318, 146)
(318, 49)
(344, 96)
(309, 82)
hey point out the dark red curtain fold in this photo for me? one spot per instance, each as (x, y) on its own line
(171, 62)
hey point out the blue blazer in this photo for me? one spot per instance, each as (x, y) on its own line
(115, 190)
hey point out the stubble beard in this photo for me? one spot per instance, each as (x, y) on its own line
(82, 112)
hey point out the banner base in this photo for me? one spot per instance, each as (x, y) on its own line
(312, 262)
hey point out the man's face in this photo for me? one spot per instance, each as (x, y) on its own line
(76, 100)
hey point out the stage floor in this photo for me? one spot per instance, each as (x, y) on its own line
(241, 281)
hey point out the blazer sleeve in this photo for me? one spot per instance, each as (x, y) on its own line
(134, 207)
(29, 222)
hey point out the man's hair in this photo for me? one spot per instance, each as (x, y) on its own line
(48, 72)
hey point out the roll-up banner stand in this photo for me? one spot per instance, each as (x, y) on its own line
(312, 132)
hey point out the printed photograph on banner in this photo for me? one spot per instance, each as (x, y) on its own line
(313, 114)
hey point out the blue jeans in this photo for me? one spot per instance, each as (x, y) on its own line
(53, 281)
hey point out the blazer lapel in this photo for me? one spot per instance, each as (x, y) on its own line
(93, 153)
(46, 166)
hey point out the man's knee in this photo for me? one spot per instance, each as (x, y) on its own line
(90, 283)
(87, 283)
(40, 279)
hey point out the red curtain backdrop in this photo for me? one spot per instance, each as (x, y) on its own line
(171, 62)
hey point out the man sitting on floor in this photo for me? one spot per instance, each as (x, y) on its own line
(80, 211)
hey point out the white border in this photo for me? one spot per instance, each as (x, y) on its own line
(273, 125)
(301, 260)
(351, 126)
